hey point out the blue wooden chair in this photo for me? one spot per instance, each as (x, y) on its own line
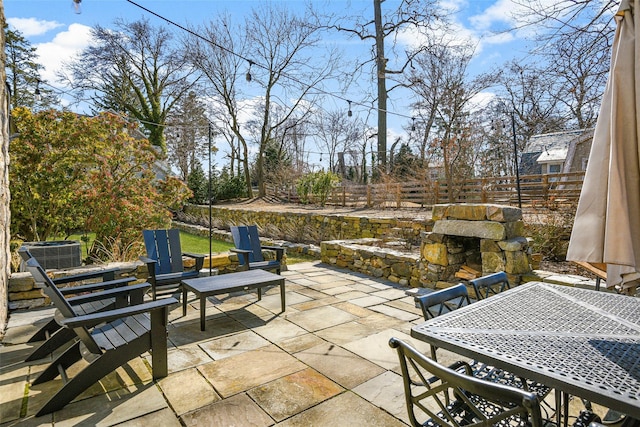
(164, 261)
(108, 294)
(249, 250)
(107, 339)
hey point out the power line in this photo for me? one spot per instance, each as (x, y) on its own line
(253, 63)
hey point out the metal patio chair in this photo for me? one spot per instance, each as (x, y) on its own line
(451, 396)
(491, 284)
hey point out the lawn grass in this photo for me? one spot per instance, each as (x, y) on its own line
(200, 244)
(191, 243)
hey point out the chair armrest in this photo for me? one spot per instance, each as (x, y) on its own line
(107, 275)
(151, 268)
(240, 251)
(278, 249)
(91, 287)
(111, 293)
(90, 320)
(198, 257)
(192, 255)
(245, 256)
(147, 260)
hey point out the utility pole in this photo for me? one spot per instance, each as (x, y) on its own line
(381, 63)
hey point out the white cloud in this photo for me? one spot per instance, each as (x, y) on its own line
(32, 27)
(481, 100)
(64, 46)
(499, 12)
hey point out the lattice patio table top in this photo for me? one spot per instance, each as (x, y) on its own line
(584, 342)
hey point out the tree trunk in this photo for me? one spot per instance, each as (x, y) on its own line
(381, 63)
(245, 165)
(5, 212)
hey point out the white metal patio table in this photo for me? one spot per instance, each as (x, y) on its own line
(579, 341)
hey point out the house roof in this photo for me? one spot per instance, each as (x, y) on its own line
(556, 141)
(553, 155)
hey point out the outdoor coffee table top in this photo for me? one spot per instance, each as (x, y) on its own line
(232, 281)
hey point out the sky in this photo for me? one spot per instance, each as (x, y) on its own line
(59, 29)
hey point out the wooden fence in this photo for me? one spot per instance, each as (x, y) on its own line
(552, 191)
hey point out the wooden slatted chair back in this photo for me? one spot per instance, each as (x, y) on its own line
(164, 247)
(60, 302)
(246, 237)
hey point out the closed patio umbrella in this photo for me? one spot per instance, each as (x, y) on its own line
(607, 223)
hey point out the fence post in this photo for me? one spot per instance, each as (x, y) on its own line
(398, 196)
(437, 192)
(368, 195)
(344, 196)
(484, 190)
(545, 189)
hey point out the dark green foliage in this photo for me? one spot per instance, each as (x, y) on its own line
(227, 187)
(315, 187)
(23, 74)
(197, 183)
(405, 163)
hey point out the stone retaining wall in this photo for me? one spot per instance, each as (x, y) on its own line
(362, 255)
(276, 228)
(310, 227)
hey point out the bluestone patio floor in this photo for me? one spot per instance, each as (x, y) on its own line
(324, 362)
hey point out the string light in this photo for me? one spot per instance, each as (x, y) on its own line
(248, 76)
(292, 78)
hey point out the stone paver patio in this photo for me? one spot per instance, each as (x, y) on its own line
(324, 362)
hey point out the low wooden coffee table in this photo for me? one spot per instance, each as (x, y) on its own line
(203, 287)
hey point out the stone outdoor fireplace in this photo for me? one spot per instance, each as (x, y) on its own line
(474, 237)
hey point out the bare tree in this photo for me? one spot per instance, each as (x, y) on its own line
(445, 94)
(133, 68)
(573, 37)
(565, 18)
(410, 15)
(579, 66)
(335, 133)
(531, 93)
(276, 46)
(186, 134)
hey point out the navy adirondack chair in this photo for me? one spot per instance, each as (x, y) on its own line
(91, 298)
(249, 250)
(107, 340)
(164, 261)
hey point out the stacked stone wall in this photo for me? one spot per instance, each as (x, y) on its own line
(310, 227)
(362, 255)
